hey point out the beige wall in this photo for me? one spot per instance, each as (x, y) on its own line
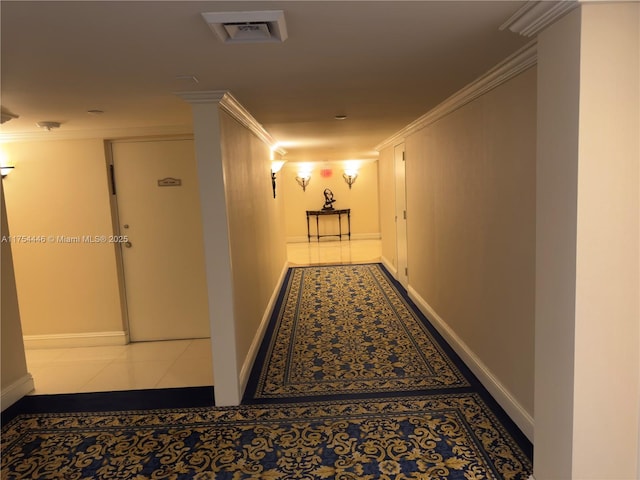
(471, 228)
(362, 199)
(256, 229)
(472, 246)
(14, 364)
(587, 304)
(60, 188)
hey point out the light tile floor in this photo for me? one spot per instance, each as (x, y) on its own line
(176, 363)
(327, 252)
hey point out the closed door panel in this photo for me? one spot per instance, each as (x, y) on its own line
(401, 215)
(163, 258)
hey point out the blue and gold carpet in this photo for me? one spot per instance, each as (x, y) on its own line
(346, 329)
(438, 437)
(351, 382)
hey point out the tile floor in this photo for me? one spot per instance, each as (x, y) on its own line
(144, 365)
(176, 363)
(326, 252)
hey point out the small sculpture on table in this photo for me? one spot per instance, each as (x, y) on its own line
(328, 199)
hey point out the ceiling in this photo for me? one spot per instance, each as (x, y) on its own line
(381, 63)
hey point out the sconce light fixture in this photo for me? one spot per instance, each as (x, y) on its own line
(350, 177)
(6, 170)
(304, 175)
(276, 165)
(303, 180)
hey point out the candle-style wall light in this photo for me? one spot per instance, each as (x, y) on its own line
(276, 165)
(350, 176)
(6, 170)
(5, 167)
(304, 176)
(303, 180)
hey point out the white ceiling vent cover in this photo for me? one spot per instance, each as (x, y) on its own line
(248, 27)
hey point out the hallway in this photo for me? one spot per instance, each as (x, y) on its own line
(351, 381)
(168, 364)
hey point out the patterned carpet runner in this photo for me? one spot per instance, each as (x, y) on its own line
(351, 383)
(347, 329)
(447, 436)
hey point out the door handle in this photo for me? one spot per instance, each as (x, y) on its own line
(127, 244)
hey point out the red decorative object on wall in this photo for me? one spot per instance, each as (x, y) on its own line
(326, 172)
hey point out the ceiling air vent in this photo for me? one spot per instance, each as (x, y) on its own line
(248, 27)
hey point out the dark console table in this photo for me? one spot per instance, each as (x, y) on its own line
(321, 213)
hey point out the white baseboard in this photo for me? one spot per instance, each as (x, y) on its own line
(389, 266)
(71, 340)
(258, 337)
(18, 389)
(499, 392)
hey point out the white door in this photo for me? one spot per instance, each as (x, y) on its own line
(401, 215)
(156, 186)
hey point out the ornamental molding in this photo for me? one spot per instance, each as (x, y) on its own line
(104, 133)
(233, 107)
(510, 67)
(205, 96)
(535, 16)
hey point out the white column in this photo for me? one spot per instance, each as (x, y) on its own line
(606, 385)
(16, 380)
(206, 128)
(587, 388)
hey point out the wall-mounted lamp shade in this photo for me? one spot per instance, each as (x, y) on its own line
(6, 170)
(276, 165)
(350, 177)
(304, 175)
(303, 180)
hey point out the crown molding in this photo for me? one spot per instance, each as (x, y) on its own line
(223, 98)
(204, 96)
(535, 16)
(233, 107)
(513, 65)
(328, 163)
(107, 133)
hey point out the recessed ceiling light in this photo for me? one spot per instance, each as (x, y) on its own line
(340, 117)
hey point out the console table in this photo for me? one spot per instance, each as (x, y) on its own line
(321, 213)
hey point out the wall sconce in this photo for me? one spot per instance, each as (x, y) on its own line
(350, 177)
(6, 170)
(303, 180)
(304, 175)
(276, 165)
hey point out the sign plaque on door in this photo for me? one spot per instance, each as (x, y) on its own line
(169, 182)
